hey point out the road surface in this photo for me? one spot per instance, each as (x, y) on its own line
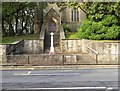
(22, 79)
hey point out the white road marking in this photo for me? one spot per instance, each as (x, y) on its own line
(110, 88)
(62, 74)
(67, 88)
(29, 72)
(61, 88)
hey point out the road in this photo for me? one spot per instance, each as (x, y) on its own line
(60, 78)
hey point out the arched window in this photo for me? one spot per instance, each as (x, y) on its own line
(75, 15)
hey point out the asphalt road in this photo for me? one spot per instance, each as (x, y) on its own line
(27, 79)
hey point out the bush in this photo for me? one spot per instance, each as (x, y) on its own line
(73, 36)
(83, 30)
(113, 32)
(66, 27)
(90, 30)
(99, 30)
(109, 20)
(102, 21)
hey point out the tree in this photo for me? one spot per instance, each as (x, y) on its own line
(22, 17)
(103, 21)
(39, 15)
(15, 18)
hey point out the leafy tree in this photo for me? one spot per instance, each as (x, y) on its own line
(21, 17)
(11, 14)
(103, 21)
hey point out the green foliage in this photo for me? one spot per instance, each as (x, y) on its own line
(103, 21)
(89, 29)
(11, 39)
(71, 35)
(19, 18)
(98, 30)
(83, 32)
(113, 32)
(66, 27)
(109, 20)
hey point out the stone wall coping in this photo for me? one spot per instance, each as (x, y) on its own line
(104, 41)
(16, 42)
(56, 54)
(107, 41)
(71, 39)
(33, 39)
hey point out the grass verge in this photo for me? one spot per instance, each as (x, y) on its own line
(71, 35)
(10, 40)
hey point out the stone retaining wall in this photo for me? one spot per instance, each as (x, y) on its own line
(15, 48)
(17, 59)
(34, 59)
(108, 59)
(106, 48)
(33, 46)
(79, 59)
(72, 46)
(67, 45)
(108, 52)
(24, 46)
(60, 59)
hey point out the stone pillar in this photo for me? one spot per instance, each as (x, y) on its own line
(51, 47)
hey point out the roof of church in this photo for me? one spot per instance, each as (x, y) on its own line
(50, 7)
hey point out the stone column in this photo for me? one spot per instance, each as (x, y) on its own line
(51, 47)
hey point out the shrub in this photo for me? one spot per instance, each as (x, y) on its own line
(83, 30)
(113, 32)
(109, 20)
(66, 27)
(90, 30)
(98, 30)
(73, 36)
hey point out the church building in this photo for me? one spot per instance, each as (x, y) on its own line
(72, 17)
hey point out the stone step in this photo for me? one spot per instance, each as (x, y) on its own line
(57, 58)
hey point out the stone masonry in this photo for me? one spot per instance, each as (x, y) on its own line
(73, 52)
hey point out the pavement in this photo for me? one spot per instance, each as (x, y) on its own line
(28, 67)
(100, 79)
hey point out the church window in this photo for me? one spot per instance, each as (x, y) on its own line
(75, 15)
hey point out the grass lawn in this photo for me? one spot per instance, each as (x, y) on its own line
(9, 40)
(70, 35)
